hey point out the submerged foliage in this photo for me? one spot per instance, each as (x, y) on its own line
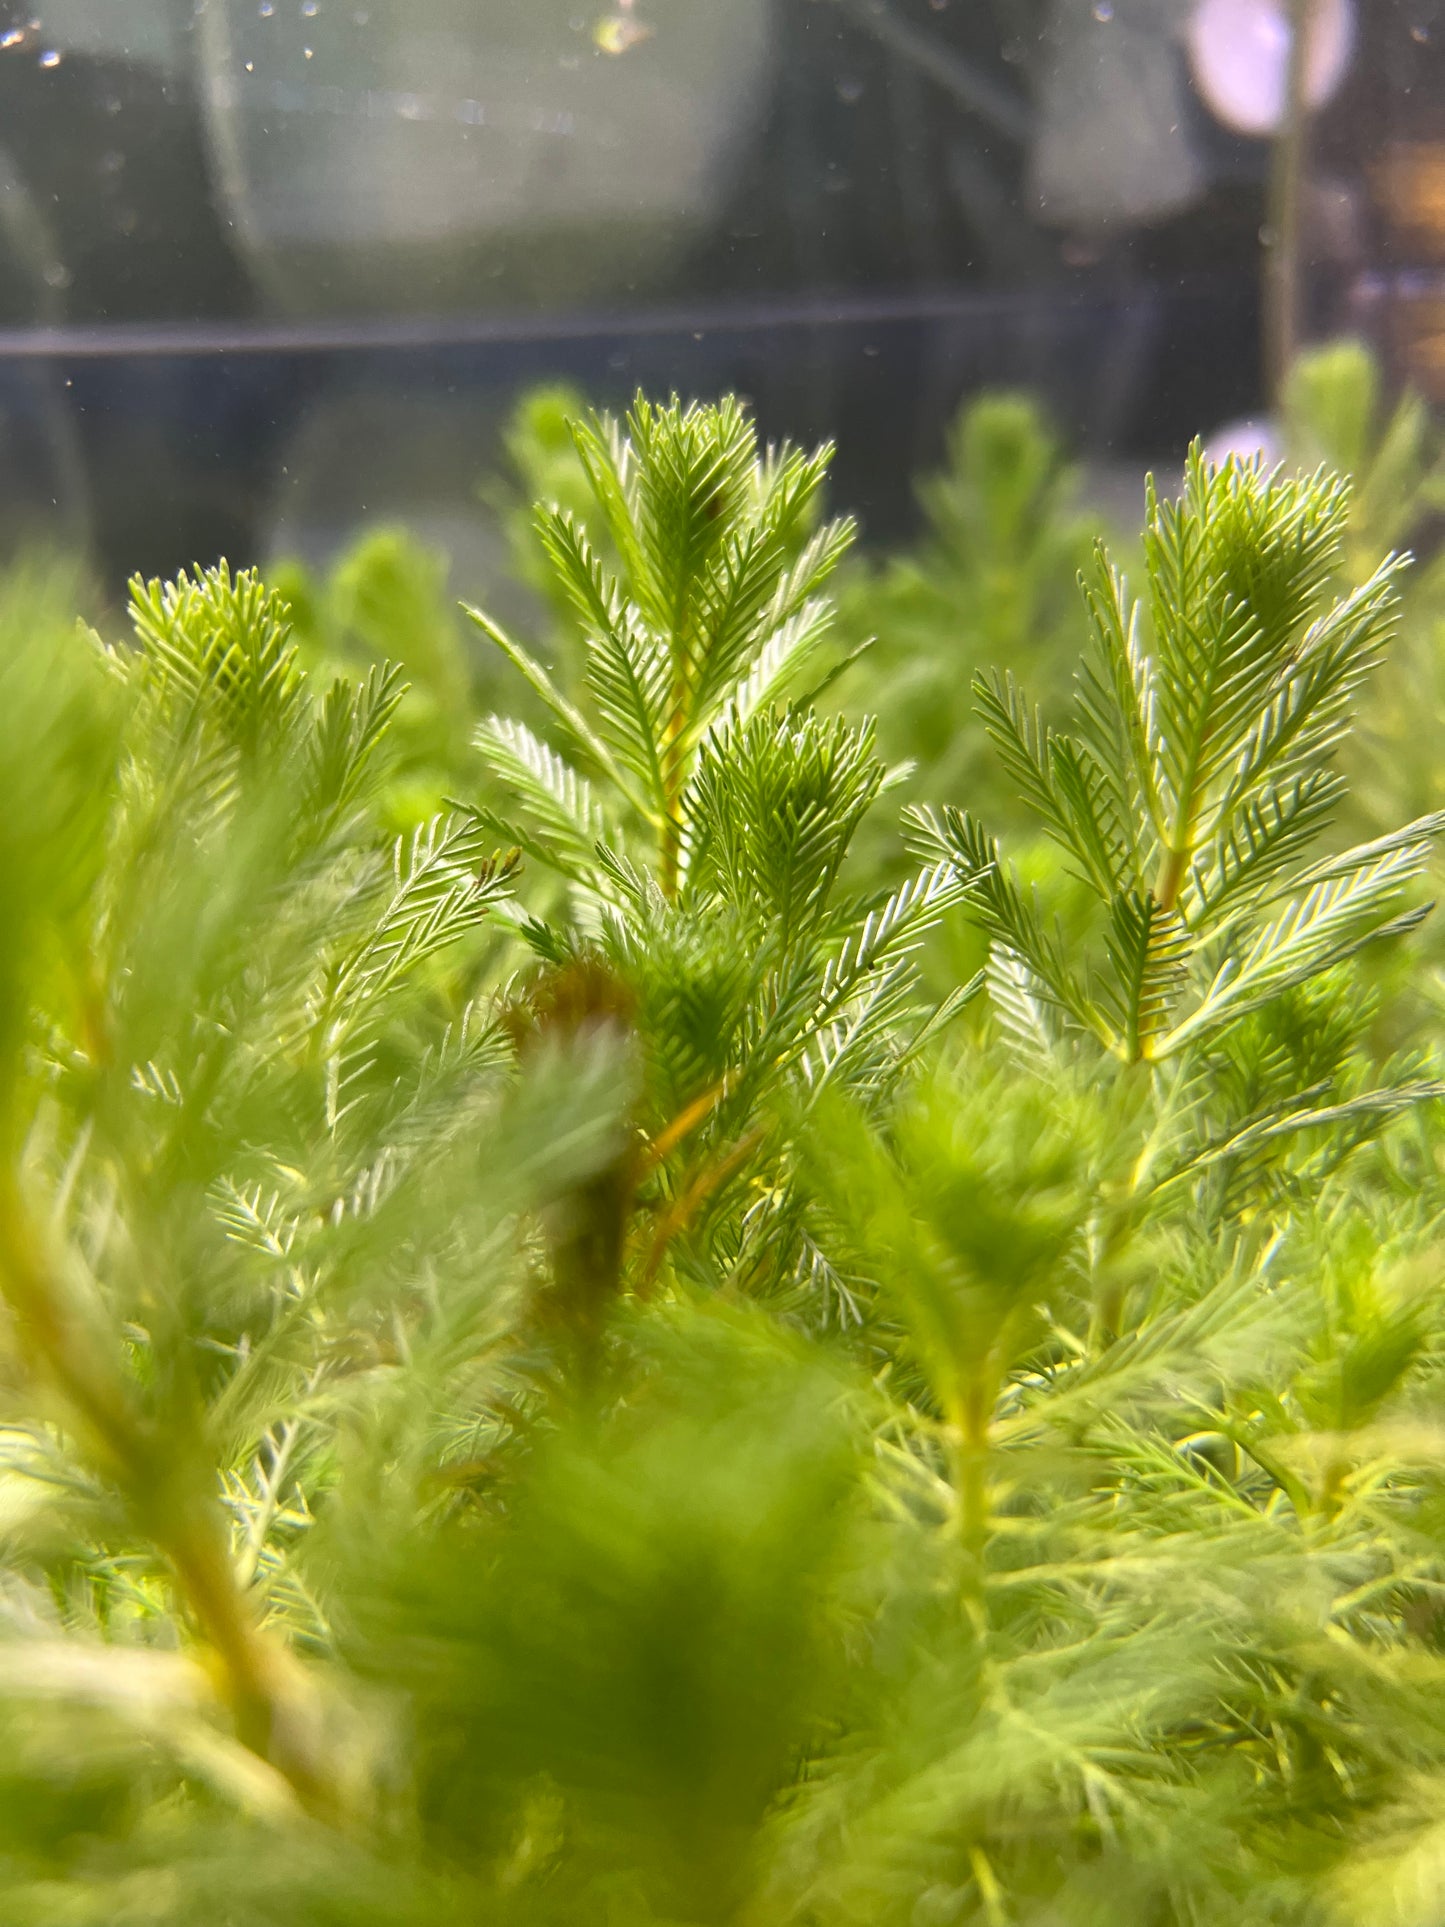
(992, 581)
(549, 1378)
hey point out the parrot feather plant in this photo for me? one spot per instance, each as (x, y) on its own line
(704, 828)
(544, 1381)
(1189, 800)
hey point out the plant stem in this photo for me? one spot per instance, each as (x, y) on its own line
(971, 1475)
(989, 1890)
(1173, 868)
(670, 869)
(72, 1360)
(1282, 256)
(674, 776)
(185, 1523)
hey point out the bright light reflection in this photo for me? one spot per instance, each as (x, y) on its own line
(1239, 55)
(1247, 440)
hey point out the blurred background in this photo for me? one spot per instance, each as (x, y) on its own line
(274, 269)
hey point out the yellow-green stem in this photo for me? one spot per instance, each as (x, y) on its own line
(971, 1478)
(1173, 868)
(670, 867)
(258, 1676)
(989, 1890)
(674, 771)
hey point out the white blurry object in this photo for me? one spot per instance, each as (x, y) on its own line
(424, 155)
(1247, 440)
(1113, 140)
(1239, 54)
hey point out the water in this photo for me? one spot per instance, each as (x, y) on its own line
(237, 232)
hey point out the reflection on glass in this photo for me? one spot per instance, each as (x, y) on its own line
(1239, 53)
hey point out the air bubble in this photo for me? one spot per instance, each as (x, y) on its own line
(50, 58)
(13, 38)
(850, 91)
(1420, 35)
(310, 52)
(1103, 11)
(268, 7)
(310, 8)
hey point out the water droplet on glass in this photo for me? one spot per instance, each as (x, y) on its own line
(13, 38)
(1103, 11)
(850, 91)
(50, 58)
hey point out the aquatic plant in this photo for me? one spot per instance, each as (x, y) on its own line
(548, 1378)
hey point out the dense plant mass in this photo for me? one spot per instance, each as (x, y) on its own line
(553, 1374)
